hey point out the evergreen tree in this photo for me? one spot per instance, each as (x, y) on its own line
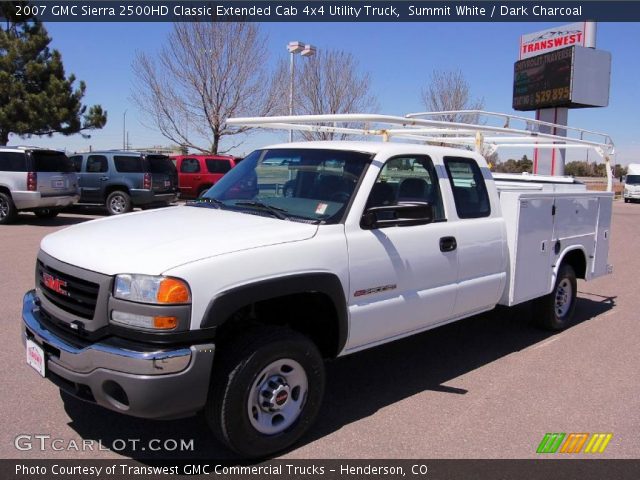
(36, 97)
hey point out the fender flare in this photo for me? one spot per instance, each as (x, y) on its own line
(560, 261)
(226, 303)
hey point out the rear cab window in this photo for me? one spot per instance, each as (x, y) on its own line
(468, 186)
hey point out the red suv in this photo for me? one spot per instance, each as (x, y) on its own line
(198, 173)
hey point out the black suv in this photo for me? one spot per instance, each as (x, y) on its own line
(122, 180)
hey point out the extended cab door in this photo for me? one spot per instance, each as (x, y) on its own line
(480, 234)
(402, 279)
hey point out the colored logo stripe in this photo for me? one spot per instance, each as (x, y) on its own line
(550, 443)
(573, 442)
(598, 442)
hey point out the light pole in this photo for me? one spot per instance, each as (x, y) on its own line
(305, 51)
(124, 130)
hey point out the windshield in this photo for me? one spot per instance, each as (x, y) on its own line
(633, 179)
(292, 184)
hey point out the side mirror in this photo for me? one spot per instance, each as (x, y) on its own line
(403, 214)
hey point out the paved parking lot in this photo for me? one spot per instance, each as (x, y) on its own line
(487, 387)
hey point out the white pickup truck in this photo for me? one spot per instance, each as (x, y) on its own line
(305, 251)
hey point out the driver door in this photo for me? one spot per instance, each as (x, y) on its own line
(402, 278)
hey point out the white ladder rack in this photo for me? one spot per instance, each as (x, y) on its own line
(432, 127)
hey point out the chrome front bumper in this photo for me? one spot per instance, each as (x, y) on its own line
(166, 383)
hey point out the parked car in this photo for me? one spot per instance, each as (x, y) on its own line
(632, 183)
(198, 173)
(35, 179)
(122, 180)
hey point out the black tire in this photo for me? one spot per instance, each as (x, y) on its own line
(118, 202)
(8, 210)
(46, 212)
(243, 374)
(626, 200)
(203, 190)
(555, 311)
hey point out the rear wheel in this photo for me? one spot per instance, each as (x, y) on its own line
(266, 391)
(118, 202)
(8, 211)
(46, 212)
(555, 311)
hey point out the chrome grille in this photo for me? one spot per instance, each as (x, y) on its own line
(76, 296)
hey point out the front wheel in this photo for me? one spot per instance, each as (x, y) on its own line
(626, 200)
(555, 311)
(266, 391)
(118, 202)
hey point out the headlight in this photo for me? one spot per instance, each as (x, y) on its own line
(151, 289)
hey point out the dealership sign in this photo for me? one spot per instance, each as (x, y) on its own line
(532, 44)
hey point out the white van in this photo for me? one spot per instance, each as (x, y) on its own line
(632, 183)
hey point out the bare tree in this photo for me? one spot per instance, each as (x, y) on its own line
(330, 82)
(206, 73)
(449, 90)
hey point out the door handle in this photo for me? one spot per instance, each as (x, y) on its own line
(448, 244)
(104, 179)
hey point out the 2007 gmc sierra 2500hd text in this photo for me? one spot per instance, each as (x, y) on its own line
(231, 303)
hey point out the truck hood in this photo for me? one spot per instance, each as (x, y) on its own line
(154, 241)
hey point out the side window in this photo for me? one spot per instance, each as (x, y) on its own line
(97, 164)
(218, 166)
(13, 162)
(189, 165)
(77, 162)
(408, 179)
(469, 189)
(129, 164)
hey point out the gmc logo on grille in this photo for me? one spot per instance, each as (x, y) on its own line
(55, 284)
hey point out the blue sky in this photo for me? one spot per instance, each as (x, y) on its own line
(399, 57)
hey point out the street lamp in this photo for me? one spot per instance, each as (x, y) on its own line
(305, 51)
(124, 130)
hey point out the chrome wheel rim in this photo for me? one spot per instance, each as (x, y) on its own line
(564, 293)
(277, 396)
(4, 208)
(118, 204)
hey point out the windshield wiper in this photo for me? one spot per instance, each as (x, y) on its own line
(205, 202)
(277, 212)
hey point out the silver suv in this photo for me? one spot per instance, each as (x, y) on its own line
(34, 179)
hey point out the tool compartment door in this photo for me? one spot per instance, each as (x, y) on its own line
(601, 254)
(529, 230)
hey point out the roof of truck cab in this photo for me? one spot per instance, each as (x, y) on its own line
(373, 147)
